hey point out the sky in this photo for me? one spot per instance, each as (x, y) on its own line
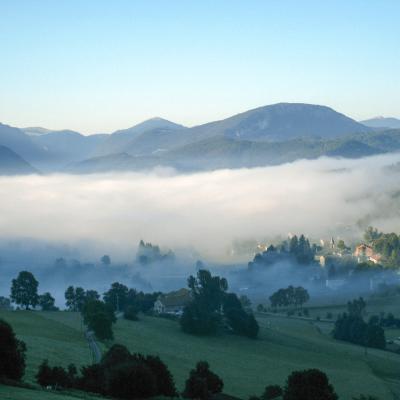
(98, 66)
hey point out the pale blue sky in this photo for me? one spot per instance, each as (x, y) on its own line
(97, 66)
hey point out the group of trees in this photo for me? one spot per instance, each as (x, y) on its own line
(294, 250)
(123, 375)
(148, 253)
(301, 385)
(99, 314)
(24, 292)
(120, 374)
(77, 297)
(128, 300)
(211, 305)
(351, 327)
(301, 249)
(291, 296)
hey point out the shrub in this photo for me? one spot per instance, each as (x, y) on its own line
(56, 377)
(131, 313)
(202, 383)
(309, 384)
(131, 380)
(272, 392)
(12, 353)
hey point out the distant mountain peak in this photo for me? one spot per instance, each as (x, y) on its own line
(382, 122)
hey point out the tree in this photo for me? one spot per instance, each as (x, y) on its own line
(371, 234)
(356, 307)
(76, 298)
(131, 381)
(24, 290)
(309, 384)
(165, 385)
(5, 303)
(202, 315)
(99, 317)
(106, 260)
(301, 296)
(46, 302)
(116, 296)
(240, 321)
(202, 383)
(12, 353)
(56, 377)
(129, 376)
(272, 392)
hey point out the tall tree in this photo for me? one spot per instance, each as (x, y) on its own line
(202, 383)
(12, 353)
(309, 384)
(116, 296)
(24, 290)
(46, 302)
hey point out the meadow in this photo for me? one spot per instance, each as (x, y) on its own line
(245, 365)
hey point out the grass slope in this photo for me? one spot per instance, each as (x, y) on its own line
(16, 393)
(245, 365)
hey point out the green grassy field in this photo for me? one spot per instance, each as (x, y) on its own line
(245, 365)
(16, 393)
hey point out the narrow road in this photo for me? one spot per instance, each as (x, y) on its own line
(93, 346)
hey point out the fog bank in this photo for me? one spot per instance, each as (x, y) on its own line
(205, 212)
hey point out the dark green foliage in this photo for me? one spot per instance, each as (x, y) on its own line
(201, 316)
(272, 392)
(46, 302)
(238, 319)
(387, 245)
(356, 307)
(116, 296)
(131, 313)
(75, 298)
(165, 385)
(128, 376)
(198, 321)
(92, 379)
(131, 381)
(363, 397)
(56, 377)
(352, 328)
(371, 234)
(99, 317)
(309, 384)
(12, 353)
(202, 383)
(289, 296)
(24, 290)
(300, 248)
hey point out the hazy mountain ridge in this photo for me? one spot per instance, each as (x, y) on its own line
(266, 135)
(382, 122)
(12, 164)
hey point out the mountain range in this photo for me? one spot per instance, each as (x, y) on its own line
(266, 135)
(382, 122)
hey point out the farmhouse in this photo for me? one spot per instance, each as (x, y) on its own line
(172, 303)
(363, 252)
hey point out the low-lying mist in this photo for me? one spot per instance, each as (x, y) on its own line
(202, 213)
